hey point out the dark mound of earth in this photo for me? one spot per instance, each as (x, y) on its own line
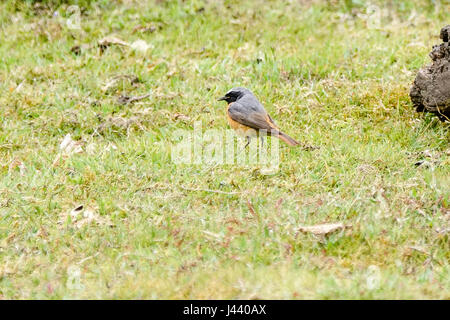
(431, 89)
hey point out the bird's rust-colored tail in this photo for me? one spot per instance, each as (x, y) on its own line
(290, 141)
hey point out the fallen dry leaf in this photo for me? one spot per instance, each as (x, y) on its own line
(182, 117)
(323, 229)
(252, 209)
(109, 41)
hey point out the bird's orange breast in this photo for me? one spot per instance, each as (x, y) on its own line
(240, 128)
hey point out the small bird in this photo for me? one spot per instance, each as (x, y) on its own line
(247, 116)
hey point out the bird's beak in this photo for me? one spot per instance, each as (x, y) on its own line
(221, 99)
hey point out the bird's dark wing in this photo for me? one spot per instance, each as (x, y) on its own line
(246, 115)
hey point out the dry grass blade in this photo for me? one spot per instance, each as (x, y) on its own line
(252, 209)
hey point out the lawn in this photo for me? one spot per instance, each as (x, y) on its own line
(108, 214)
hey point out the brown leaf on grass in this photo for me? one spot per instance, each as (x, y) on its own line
(182, 117)
(109, 41)
(252, 210)
(323, 229)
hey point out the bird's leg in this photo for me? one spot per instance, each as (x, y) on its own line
(248, 142)
(246, 145)
(262, 141)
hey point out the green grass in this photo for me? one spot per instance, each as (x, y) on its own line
(320, 72)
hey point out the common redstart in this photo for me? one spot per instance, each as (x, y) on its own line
(247, 116)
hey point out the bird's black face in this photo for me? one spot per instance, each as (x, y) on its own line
(231, 96)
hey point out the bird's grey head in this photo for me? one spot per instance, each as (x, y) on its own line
(235, 94)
